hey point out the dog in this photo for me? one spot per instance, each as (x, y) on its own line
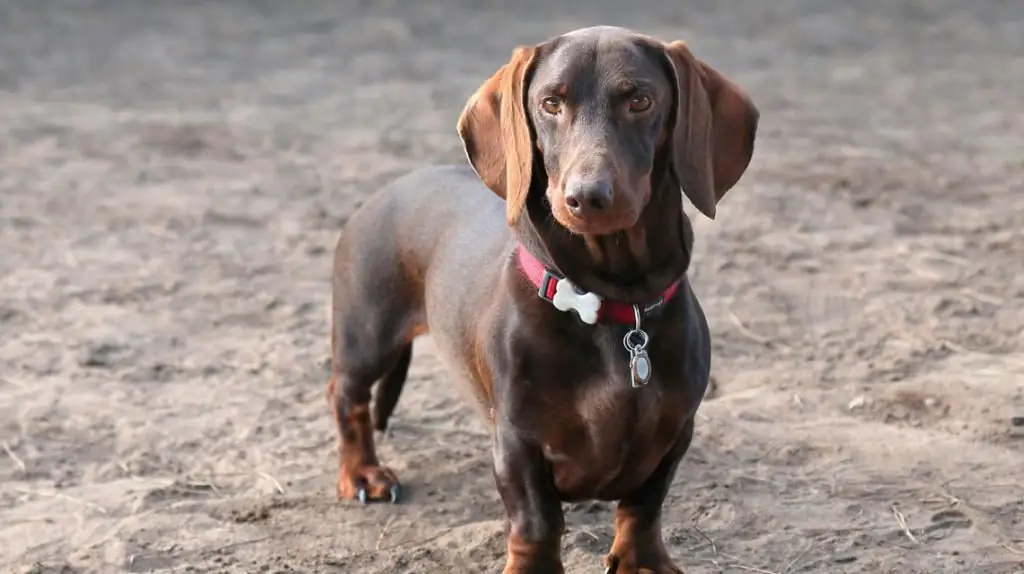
(551, 274)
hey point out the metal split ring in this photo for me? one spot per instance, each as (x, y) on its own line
(635, 340)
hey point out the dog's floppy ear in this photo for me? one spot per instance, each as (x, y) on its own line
(714, 131)
(496, 134)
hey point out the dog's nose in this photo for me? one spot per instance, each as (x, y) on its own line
(588, 197)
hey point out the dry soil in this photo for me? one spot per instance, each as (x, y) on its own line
(173, 177)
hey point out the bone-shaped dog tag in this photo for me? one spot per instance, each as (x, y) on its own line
(586, 305)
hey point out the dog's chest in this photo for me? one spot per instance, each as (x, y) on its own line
(612, 436)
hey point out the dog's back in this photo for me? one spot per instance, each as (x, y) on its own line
(418, 212)
(411, 260)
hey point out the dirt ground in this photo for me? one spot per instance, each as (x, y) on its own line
(173, 177)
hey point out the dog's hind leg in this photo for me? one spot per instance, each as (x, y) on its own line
(360, 360)
(388, 390)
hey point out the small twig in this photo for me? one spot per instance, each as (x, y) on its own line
(714, 549)
(277, 485)
(219, 550)
(789, 567)
(1012, 549)
(244, 543)
(752, 569)
(948, 498)
(196, 486)
(63, 496)
(17, 460)
(753, 478)
(13, 382)
(983, 297)
(958, 348)
(116, 528)
(383, 531)
(411, 542)
(747, 332)
(923, 273)
(772, 448)
(902, 520)
(737, 563)
(952, 259)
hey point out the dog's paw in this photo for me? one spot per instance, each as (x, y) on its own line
(369, 483)
(631, 564)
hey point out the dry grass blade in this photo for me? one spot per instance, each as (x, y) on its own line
(273, 481)
(789, 567)
(746, 568)
(714, 548)
(17, 460)
(1013, 550)
(902, 520)
(740, 565)
(383, 532)
(418, 542)
(983, 297)
(63, 496)
(13, 382)
(747, 332)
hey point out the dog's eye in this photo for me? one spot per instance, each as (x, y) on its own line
(551, 105)
(639, 103)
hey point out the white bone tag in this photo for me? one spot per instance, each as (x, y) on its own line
(586, 305)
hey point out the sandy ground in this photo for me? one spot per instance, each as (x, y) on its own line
(173, 177)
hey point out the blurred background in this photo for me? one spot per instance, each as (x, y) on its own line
(173, 177)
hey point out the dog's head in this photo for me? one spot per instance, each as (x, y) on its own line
(604, 110)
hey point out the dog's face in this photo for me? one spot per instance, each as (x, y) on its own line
(601, 110)
(599, 104)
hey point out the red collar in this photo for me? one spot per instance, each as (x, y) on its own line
(547, 282)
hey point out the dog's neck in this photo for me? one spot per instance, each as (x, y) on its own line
(634, 265)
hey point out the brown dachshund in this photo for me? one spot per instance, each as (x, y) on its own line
(565, 308)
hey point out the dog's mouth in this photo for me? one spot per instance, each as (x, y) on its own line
(602, 227)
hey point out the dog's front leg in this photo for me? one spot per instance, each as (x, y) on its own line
(533, 507)
(638, 545)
